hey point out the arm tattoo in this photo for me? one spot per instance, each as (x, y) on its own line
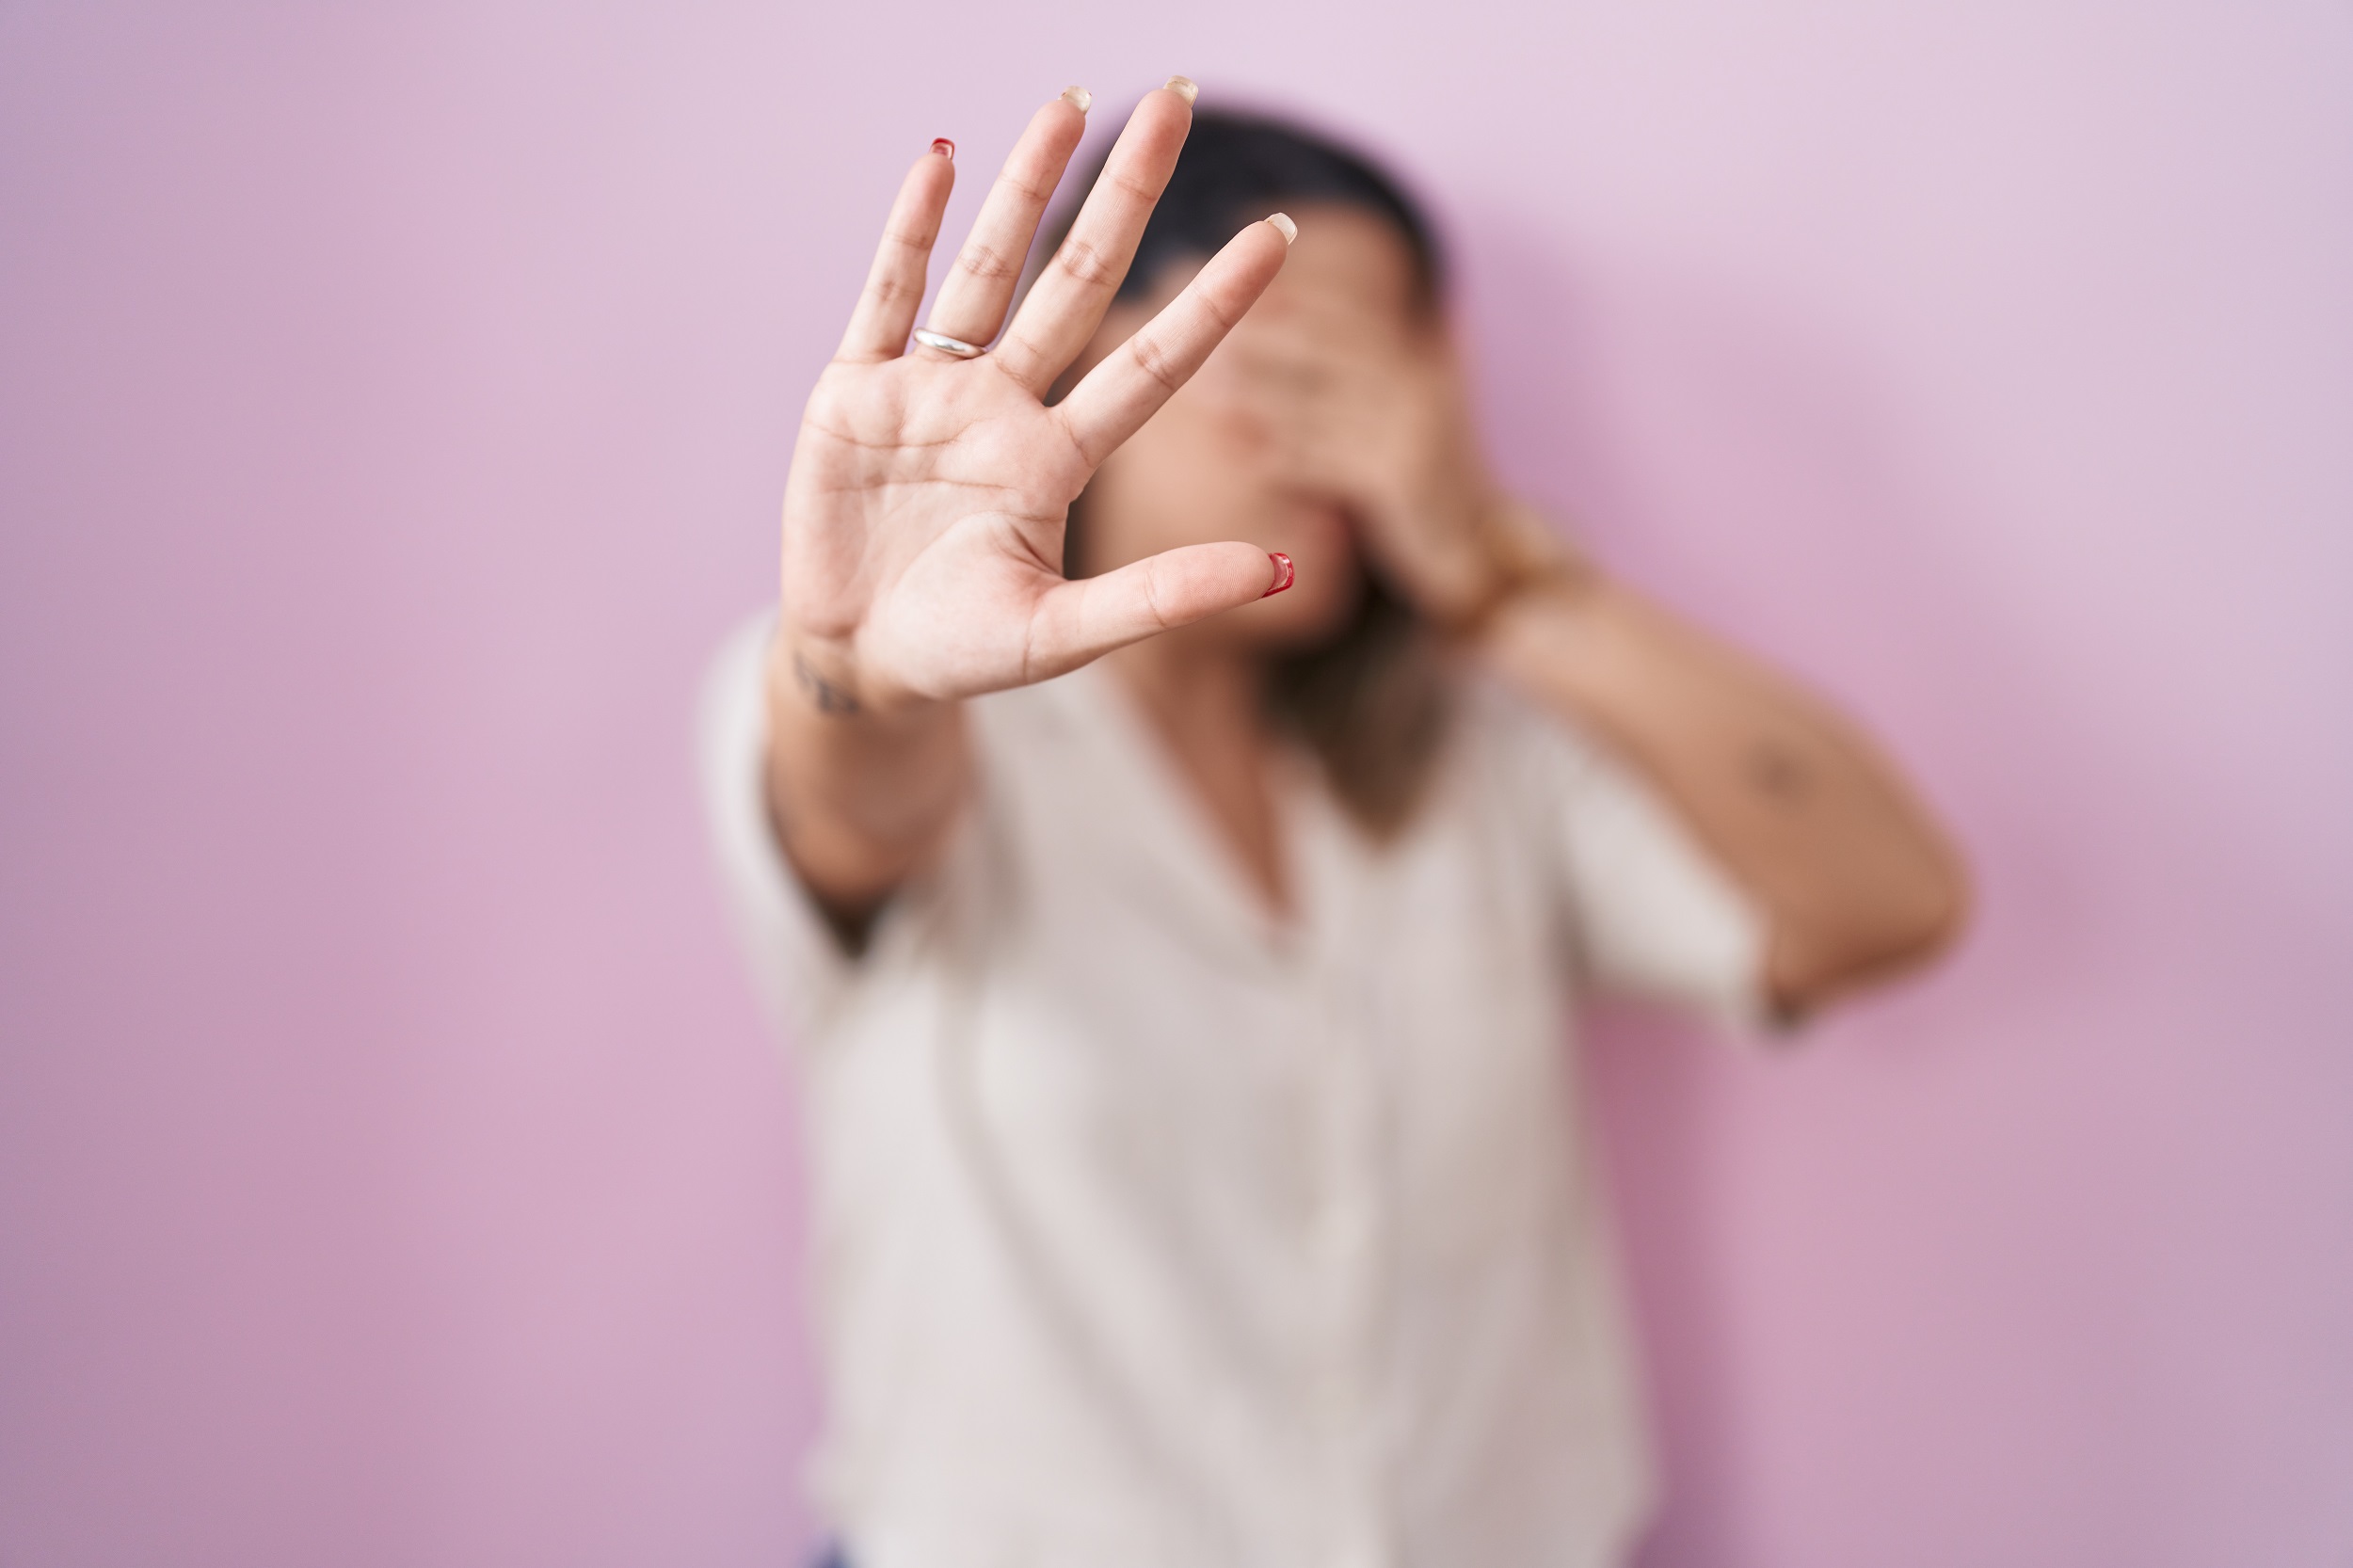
(1779, 773)
(829, 696)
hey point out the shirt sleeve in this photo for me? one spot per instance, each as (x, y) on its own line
(1650, 913)
(798, 965)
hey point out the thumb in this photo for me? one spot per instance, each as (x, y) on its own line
(1078, 622)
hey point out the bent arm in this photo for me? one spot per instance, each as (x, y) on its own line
(1856, 878)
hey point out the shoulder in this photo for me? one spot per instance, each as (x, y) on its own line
(1504, 737)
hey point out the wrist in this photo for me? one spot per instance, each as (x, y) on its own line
(1520, 555)
(821, 677)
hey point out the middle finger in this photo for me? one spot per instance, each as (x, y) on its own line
(1068, 303)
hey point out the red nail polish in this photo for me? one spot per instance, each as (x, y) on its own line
(1283, 573)
(945, 148)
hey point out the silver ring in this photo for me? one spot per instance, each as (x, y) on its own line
(947, 344)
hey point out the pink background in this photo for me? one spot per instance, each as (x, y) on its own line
(392, 415)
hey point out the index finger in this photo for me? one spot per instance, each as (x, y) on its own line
(1116, 397)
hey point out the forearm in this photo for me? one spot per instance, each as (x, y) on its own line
(1852, 875)
(859, 799)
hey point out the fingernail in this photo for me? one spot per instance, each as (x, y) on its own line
(1284, 226)
(1078, 98)
(945, 148)
(1184, 87)
(1283, 573)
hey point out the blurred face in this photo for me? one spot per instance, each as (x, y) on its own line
(1205, 470)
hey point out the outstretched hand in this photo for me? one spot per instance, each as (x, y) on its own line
(923, 515)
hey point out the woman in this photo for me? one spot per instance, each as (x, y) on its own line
(1179, 950)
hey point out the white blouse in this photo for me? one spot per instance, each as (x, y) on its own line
(1153, 1232)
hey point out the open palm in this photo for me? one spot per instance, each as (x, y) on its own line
(924, 517)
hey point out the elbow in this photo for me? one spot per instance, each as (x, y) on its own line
(1931, 916)
(1909, 921)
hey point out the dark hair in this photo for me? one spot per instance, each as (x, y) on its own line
(1371, 702)
(1239, 169)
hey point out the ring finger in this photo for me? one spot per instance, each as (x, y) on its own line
(1068, 303)
(978, 288)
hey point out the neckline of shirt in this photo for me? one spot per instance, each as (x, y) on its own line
(1309, 830)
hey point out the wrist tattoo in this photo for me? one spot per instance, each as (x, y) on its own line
(829, 696)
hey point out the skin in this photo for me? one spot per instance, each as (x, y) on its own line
(922, 537)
